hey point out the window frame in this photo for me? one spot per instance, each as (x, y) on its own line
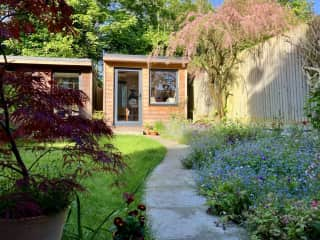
(66, 72)
(177, 87)
(70, 111)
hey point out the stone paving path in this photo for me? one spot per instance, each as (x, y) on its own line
(175, 210)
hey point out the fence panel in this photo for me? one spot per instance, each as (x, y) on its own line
(270, 83)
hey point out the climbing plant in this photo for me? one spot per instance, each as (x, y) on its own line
(311, 54)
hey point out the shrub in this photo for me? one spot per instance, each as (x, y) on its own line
(271, 164)
(178, 128)
(285, 220)
(264, 179)
(205, 144)
(311, 54)
(159, 126)
(132, 226)
(34, 108)
(98, 115)
(228, 199)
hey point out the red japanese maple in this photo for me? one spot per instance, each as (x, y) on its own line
(18, 16)
(29, 109)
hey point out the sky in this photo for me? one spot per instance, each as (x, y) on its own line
(317, 4)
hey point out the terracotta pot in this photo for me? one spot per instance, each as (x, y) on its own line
(37, 228)
(146, 131)
(155, 133)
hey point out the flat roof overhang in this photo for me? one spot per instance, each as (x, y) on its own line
(83, 62)
(144, 59)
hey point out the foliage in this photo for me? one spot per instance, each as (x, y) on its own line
(31, 108)
(119, 26)
(230, 200)
(301, 8)
(311, 53)
(44, 43)
(133, 225)
(84, 42)
(268, 180)
(46, 197)
(286, 220)
(103, 195)
(19, 16)
(122, 26)
(205, 144)
(159, 126)
(98, 115)
(215, 39)
(177, 128)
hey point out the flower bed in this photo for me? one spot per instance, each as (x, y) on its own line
(269, 181)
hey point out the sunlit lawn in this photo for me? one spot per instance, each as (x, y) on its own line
(102, 196)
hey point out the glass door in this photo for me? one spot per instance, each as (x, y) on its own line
(127, 96)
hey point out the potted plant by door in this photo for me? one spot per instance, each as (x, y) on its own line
(39, 178)
(150, 130)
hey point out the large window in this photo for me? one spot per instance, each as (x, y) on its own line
(163, 87)
(67, 81)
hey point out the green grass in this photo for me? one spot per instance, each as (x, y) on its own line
(102, 196)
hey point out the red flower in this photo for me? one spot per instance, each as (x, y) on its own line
(128, 197)
(304, 122)
(118, 222)
(141, 207)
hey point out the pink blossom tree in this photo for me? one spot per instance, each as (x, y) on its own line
(214, 40)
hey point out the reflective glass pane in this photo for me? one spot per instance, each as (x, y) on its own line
(128, 95)
(163, 87)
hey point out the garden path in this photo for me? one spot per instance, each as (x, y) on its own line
(175, 210)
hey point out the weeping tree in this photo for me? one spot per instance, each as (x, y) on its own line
(214, 40)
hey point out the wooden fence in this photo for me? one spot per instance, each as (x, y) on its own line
(270, 83)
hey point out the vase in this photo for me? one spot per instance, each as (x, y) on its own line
(35, 228)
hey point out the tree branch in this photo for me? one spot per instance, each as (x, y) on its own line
(6, 16)
(3, 54)
(39, 158)
(2, 125)
(11, 167)
(7, 130)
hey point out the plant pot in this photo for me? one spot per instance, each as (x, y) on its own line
(154, 133)
(37, 228)
(146, 131)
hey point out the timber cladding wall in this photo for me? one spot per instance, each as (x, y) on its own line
(150, 113)
(86, 85)
(48, 67)
(270, 83)
(48, 72)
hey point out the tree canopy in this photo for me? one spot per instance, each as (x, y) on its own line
(123, 26)
(301, 8)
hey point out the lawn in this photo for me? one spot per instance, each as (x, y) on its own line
(104, 192)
